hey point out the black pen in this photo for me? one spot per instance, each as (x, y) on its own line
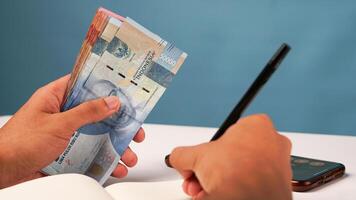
(252, 91)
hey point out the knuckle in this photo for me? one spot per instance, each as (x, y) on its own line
(286, 141)
(256, 120)
(262, 117)
(38, 94)
(40, 90)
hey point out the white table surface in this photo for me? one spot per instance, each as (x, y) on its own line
(161, 139)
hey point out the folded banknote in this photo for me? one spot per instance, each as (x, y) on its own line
(119, 57)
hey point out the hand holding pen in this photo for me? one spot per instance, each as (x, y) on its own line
(250, 154)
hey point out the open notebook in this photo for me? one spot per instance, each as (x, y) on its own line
(76, 186)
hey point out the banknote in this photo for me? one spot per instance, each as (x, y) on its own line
(119, 57)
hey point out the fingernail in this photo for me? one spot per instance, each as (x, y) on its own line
(166, 160)
(111, 102)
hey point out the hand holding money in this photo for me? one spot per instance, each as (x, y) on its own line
(121, 58)
(38, 133)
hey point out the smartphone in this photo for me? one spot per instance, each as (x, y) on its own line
(310, 173)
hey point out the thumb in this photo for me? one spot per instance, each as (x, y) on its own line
(185, 158)
(90, 112)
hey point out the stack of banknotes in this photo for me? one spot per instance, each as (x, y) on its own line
(119, 57)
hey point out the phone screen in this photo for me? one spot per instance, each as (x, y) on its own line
(306, 169)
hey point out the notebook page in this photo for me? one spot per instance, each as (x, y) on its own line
(58, 187)
(165, 190)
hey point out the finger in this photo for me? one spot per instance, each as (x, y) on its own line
(129, 157)
(201, 195)
(89, 112)
(59, 86)
(193, 186)
(186, 174)
(140, 136)
(185, 186)
(120, 171)
(184, 158)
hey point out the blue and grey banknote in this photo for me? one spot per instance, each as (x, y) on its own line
(125, 60)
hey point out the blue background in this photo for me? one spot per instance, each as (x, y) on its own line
(228, 43)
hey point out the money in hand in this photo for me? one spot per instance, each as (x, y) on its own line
(119, 57)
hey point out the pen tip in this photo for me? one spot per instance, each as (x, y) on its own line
(166, 160)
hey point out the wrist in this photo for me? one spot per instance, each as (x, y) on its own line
(7, 160)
